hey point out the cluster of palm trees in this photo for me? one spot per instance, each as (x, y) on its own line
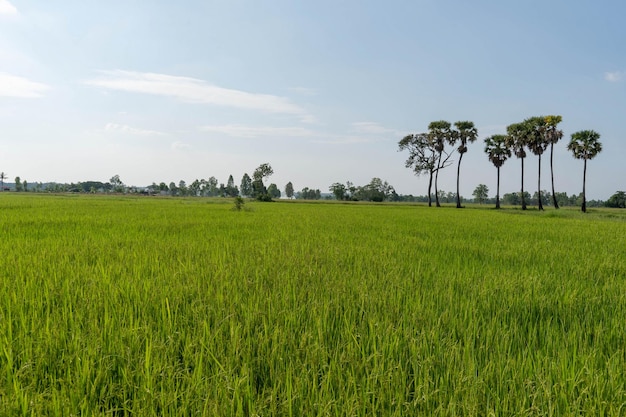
(428, 154)
(537, 134)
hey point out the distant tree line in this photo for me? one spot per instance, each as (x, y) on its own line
(426, 156)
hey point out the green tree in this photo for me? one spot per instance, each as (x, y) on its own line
(339, 191)
(585, 145)
(18, 184)
(481, 193)
(117, 184)
(289, 190)
(231, 188)
(516, 137)
(423, 157)
(617, 200)
(173, 189)
(440, 134)
(511, 199)
(3, 177)
(273, 191)
(258, 188)
(498, 152)
(552, 136)
(182, 188)
(464, 133)
(246, 185)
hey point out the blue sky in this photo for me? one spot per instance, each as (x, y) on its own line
(322, 90)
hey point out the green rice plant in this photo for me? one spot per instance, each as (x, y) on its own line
(149, 306)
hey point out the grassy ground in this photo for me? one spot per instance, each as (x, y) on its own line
(149, 306)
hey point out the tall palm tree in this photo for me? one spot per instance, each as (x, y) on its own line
(552, 136)
(498, 152)
(465, 133)
(585, 145)
(536, 142)
(440, 134)
(516, 141)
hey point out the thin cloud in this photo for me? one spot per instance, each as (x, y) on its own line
(614, 77)
(14, 86)
(342, 140)
(6, 8)
(180, 146)
(114, 127)
(257, 131)
(193, 90)
(372, 128)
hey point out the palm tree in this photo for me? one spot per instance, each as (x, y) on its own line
(552, 136)
(465, 132)
(536, 142)
(516, 141)
(439, 133)
(585, 145)
(3, 177)
(498, 152)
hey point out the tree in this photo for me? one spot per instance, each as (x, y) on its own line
(231, 188)
(339, 191)
(465, 133)
(422, 157)
(116, 182)
(481, 193)
(18, 184)
(516, 137)
(440, 134)
(258, 188)
(246, 185)
(309, 194)
(498, 152)
(182, 188)
(273, 191)
(617, 200)
(3, 177)
(552, 136)
(536, 141)
(585, 145)
(289, 190)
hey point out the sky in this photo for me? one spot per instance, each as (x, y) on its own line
(162, 91)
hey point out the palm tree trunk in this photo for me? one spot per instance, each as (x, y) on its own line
(498, 191)
(584, 206)
(436, 178)
(430, 186)
(540, 205)
(556, 203)
(523, 199)
(458, 175)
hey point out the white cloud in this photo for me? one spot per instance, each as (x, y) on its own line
(343, 140)
(372, 128)
(614, 76)
(256, 131)
(14, 86)
(180, 146)
(7, 8)
(195, 91)
(114, 127)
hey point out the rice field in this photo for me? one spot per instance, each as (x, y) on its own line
(143, 306)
